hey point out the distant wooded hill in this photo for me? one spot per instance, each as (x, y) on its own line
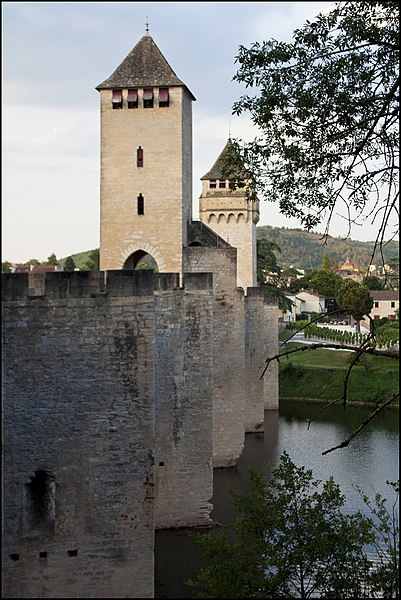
(305, 250)
(80, 258)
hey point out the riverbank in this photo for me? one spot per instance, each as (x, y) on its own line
(321, 401)
(320, 374)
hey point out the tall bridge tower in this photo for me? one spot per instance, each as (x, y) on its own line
(146, 162)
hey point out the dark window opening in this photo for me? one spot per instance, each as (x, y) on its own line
(222, 184)
(14, 556)
(72, 552)
(42, 554)
(40, 501)
(139, 157)
(117, 99)
(161, 464)
(132, 98)
(148, 98)
(163, 97)
(376, 305)
(212, 183)
(141, 205)
(392, 304)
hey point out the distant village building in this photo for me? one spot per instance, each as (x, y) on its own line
(303, 302)
(310, 303)
(385, 303)
(36, 268)
(379, 270)
(348, 270)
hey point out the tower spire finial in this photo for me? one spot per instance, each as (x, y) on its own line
(147, 26)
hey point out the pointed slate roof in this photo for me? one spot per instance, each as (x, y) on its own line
(216, 172)
(144, 66)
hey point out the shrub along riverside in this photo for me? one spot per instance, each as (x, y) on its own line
(290, 539)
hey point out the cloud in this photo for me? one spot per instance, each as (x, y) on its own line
(281, 18)
(49, 133)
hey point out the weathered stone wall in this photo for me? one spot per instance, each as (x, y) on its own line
(255, 340)
(81, 405)
(183, 440)
(228, 350)
(123, 389)
(270, 378)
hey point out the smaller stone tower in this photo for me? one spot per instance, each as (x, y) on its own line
(231, 215)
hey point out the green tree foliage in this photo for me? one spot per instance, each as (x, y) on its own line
(33, 261)
(373, 283)
(52, 259)
(385, 578)
(145, 267)
(266, 259)
(304, 250)
(326, 263)
(6, 267)
(323, 282)
(69, 264)
(290, 280)
(93, 261)
(290, 539)
(355, 299)
(268, 272)
(327, 107)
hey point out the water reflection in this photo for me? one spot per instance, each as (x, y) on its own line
(371, 458)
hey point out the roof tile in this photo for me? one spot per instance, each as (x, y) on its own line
(144, 66)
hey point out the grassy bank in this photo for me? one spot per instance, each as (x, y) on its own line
(320, 374)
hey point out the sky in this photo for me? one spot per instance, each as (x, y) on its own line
(56, 53)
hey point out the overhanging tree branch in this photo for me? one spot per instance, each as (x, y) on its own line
(368, 419)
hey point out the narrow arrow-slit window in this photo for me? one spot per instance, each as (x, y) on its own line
(141, 205)
(139, 157)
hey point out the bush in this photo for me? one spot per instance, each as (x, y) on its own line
(292, 370)
(290, 539)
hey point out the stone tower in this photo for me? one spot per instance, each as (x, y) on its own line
(146, 162)
(233, 217)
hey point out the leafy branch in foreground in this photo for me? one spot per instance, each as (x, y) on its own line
(385, 576)
(289, 539)
(326, 106)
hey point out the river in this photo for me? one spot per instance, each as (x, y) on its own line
(370, 459)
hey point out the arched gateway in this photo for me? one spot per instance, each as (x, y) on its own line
(141, 260)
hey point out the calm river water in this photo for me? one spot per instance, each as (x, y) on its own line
(368, 462)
